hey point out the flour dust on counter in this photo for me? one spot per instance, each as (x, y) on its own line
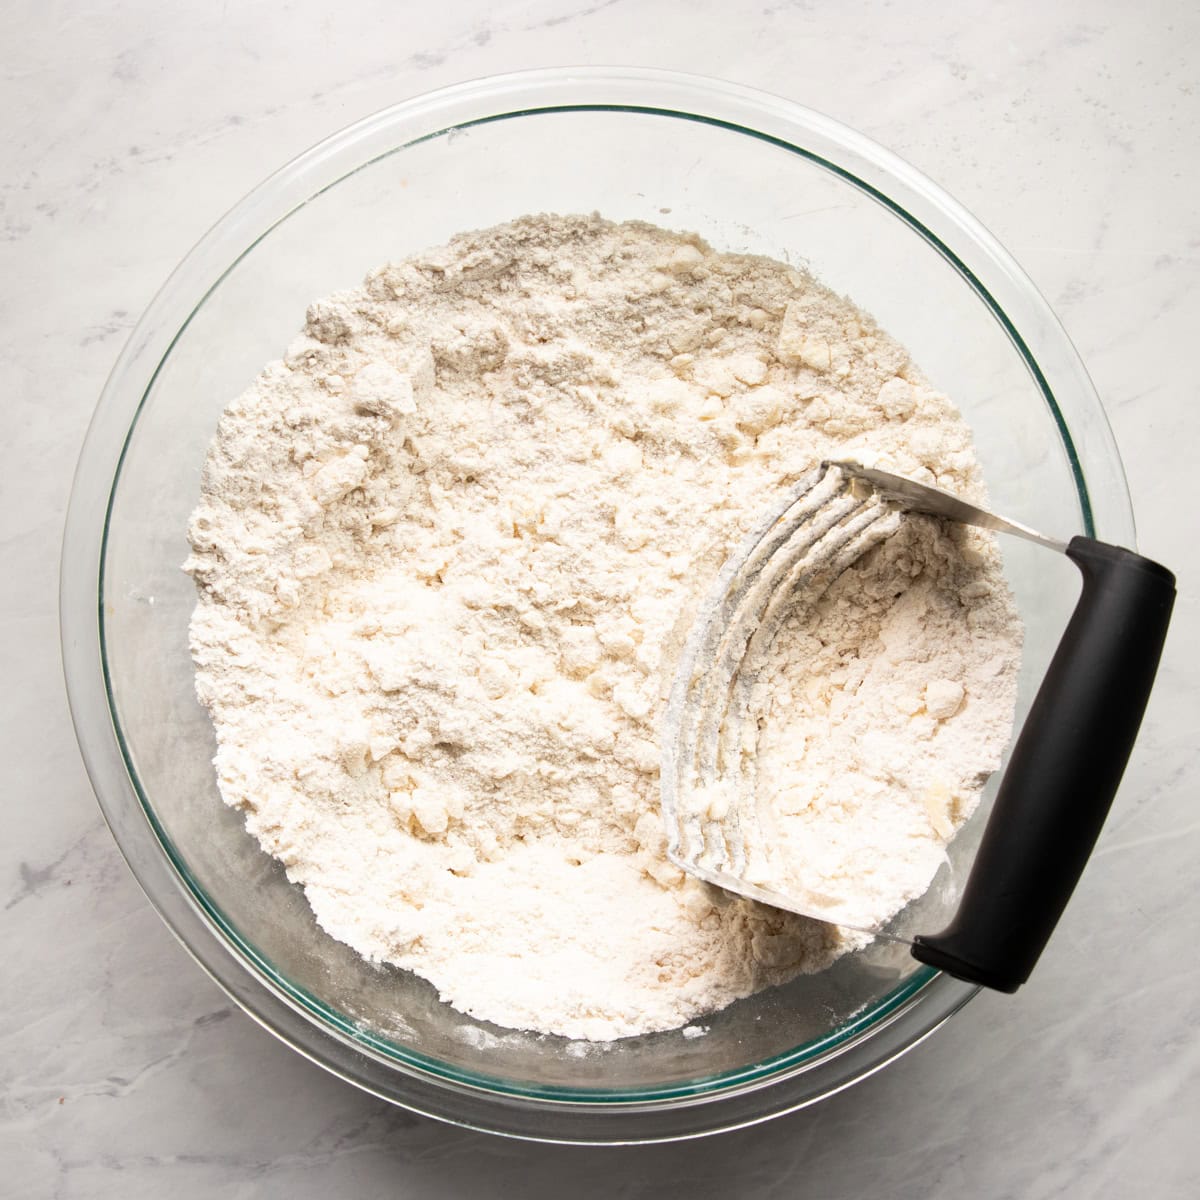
(444, 550)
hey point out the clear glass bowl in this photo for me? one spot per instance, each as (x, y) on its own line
(750, 173)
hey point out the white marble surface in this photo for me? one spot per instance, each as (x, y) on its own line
(1072, 130)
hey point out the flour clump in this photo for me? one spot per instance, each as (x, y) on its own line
(444, 550)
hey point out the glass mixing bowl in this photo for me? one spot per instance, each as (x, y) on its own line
(750, 173)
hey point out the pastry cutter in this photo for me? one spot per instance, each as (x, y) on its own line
(1061, 776)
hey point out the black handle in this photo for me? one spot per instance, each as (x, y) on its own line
(1063, 772)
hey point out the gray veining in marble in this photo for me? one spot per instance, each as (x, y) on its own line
(1072, 130)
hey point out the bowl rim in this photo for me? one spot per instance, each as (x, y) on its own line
(908, 1014)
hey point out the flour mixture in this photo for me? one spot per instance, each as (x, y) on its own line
(446, 550)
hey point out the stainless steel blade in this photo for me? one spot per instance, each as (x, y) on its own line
(820, 526)
(908, 494)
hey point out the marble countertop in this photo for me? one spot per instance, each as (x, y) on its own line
(1070, 129)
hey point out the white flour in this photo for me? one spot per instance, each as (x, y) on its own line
(445, 549)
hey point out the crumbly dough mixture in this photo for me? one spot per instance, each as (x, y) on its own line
(446, 549)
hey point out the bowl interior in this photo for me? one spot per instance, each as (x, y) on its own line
(743, 192)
